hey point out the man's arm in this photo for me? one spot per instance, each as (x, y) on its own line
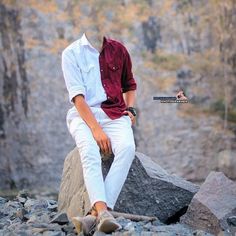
(86, 114)
(76, 89)
(129, 98)
(128, 84)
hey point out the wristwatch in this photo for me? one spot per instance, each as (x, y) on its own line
(132, 110)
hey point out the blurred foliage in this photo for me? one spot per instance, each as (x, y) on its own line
(169, 62)
(219, 108)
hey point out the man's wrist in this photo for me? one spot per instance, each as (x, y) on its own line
(132, 110)
(95, 127)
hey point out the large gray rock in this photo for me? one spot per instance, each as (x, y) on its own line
(149, 189)
(214, 206)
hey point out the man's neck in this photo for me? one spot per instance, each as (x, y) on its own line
(95, 39)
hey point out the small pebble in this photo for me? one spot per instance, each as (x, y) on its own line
(3, 200)
(60, 218)
(231, 221)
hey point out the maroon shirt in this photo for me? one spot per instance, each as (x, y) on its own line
(116, 76)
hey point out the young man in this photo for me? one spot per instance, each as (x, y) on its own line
(100, 83)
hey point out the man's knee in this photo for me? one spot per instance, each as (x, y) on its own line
(89, 153)
(131, 149)
(128, 147)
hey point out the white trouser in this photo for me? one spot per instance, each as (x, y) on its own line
(120, 134)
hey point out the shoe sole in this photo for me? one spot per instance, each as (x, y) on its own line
(108, 226)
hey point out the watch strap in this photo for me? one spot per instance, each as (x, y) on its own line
(132, 110)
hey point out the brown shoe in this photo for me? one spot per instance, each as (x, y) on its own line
(85, 224)
(106, 223)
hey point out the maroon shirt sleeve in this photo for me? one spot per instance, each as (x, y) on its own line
(127, 80)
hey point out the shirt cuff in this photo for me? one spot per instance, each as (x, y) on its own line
(76, 91)
(132, 87)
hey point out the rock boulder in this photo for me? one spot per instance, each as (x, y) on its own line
(213, 208)
(148, 190)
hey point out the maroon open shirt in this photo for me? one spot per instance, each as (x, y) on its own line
(116, 76)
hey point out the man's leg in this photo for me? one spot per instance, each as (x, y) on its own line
(122, 140)
(93, 178)
(91, 162)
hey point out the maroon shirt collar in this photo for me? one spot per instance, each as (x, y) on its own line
(106, 42)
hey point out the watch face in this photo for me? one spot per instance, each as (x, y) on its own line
(133, 111)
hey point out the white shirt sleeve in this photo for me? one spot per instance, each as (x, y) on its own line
(72, 75)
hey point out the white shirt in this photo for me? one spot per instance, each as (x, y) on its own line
(81, 71)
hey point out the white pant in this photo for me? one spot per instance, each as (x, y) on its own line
(122, 141)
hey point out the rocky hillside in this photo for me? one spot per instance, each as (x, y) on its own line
(187, 44)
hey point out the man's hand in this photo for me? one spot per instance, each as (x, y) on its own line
(102, 140)
(87, 115)
(133, 118)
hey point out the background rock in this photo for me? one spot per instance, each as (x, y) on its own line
(173, 44)
(149, 190)
(213, 206)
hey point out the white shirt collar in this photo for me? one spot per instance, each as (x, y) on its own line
(84, 41)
